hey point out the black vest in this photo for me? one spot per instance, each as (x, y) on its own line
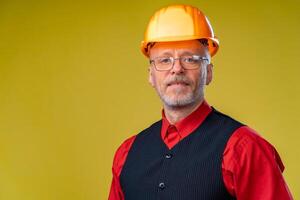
(191, 170)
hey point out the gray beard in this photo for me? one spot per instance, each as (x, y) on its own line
(188, 99)
(182, 101)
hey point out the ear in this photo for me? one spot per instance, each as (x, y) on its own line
(150, 79)
(209, 76)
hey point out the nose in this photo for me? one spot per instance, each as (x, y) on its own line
(177, 67)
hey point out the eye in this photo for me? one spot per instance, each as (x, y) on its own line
(164, 60)
(189, 60)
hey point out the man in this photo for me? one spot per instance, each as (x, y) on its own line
(194, 152)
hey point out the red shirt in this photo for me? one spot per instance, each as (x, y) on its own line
(251, 167)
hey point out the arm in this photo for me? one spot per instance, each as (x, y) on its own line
(116, 192)
(252, 168)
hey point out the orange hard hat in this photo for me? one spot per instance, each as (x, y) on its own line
(178, 23)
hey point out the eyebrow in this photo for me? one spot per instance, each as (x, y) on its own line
(168, 52)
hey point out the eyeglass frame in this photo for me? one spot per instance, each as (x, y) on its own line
(200, 58)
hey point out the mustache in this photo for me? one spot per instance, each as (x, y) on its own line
(177, 79)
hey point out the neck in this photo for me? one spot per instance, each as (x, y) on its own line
(175, 114)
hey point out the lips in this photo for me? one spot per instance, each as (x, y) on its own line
(178, 83)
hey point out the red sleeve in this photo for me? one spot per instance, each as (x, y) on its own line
(252, 168)
(119, 160)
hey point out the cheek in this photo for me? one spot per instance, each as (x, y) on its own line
(159, 84)
(195, 79)
(158, 80)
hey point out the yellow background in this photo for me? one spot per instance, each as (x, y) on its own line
(73, 86)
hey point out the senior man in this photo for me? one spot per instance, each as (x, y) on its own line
(194, 151)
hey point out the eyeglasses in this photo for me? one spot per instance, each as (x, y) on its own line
(166, 63)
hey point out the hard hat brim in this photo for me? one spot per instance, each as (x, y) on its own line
(213, 43)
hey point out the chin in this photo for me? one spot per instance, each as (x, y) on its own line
(178, 101)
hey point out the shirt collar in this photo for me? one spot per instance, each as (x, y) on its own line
(189, 123)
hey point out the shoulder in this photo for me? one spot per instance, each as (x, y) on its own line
(248, 137)
(123, 150)
(224, 119)
(247, 146)
(250, 162)
(121, 154)
(125, 145)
